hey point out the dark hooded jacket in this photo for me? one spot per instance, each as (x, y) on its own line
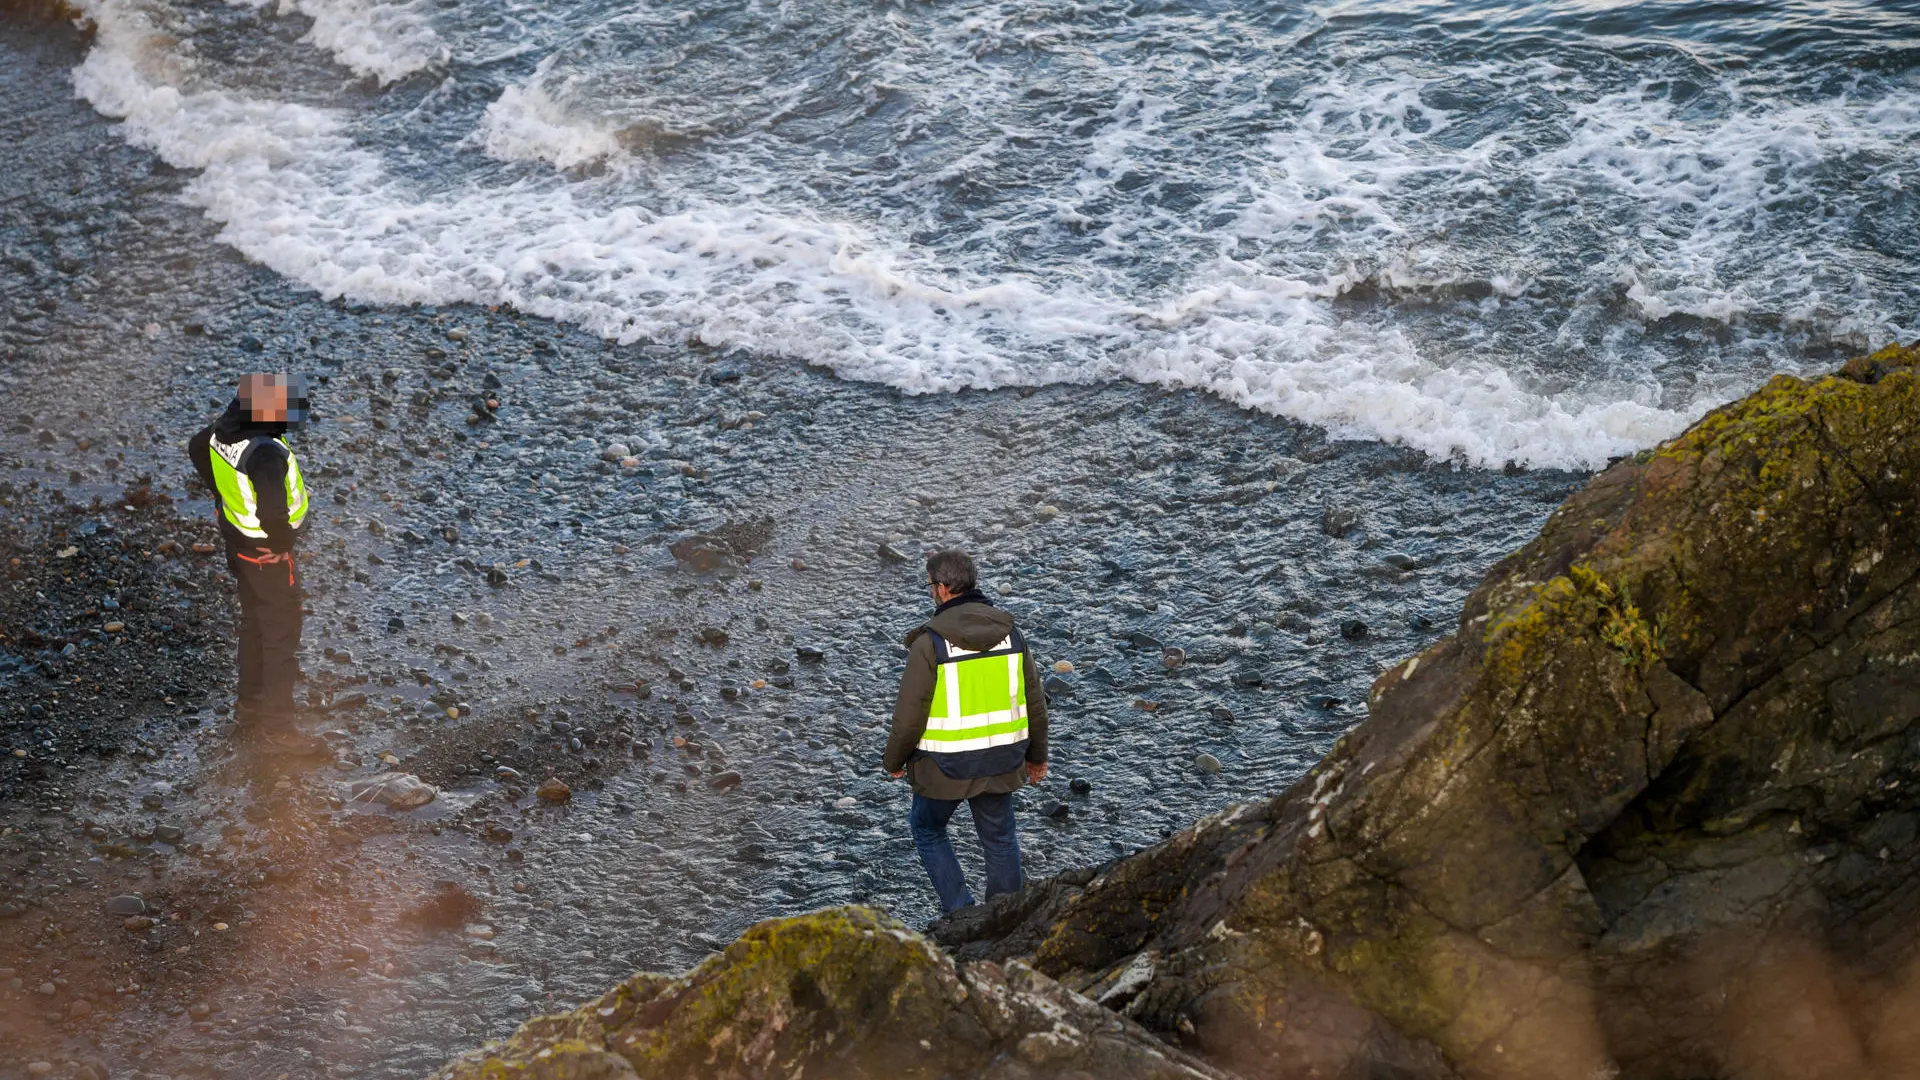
(971, 623)
(265, 464)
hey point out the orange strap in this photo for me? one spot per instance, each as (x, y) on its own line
(266, 557)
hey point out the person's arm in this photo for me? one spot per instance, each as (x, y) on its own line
(910, 708)
(267, 468)
(198, 448)
(1036, 714)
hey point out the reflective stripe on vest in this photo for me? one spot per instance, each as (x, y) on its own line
(237, 502)
(979, 698)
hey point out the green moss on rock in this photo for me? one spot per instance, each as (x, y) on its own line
(847, 986)
(843, 993)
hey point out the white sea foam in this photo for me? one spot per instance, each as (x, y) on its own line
(528, 123)
(1710, 189)
(1355, 191)
(386, 40)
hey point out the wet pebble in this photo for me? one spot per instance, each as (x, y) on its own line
(137, 923)
(1221, 713)
(1337, 521)
(1080, 785)
(401, 791)
(355, 953)
(1206, 763)
(724, 781)
(1353, 629)
(169, 834)
(1058, 811)
(125, 905)
(1173, 656)
(553, 790)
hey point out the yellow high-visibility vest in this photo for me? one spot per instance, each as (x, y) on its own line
(237, 502)
(979, 698)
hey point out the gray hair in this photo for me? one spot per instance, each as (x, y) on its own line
(952, 568)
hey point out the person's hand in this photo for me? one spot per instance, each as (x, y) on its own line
(897, 775)
(1036, 771)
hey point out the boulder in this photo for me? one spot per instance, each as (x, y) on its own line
(1650, 811)
(846, 993)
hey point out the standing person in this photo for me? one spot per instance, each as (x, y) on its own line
(970, 725)
(261, 501)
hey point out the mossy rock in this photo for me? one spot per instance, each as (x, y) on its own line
(846, 993)
(1686, 715)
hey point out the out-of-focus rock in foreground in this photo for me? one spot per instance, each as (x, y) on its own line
(842, 994)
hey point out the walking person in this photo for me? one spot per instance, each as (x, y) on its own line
(970, 725)
(261, 502)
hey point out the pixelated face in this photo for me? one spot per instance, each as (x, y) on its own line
(275, 398)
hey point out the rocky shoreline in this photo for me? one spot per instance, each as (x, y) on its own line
(723, 600)
(1649, 812)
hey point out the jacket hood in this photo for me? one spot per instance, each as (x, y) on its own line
(971, 623)
(235, 424)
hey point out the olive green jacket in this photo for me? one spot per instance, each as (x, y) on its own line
(971, 623)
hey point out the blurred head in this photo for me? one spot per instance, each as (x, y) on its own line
(274, 398)
(950, 573)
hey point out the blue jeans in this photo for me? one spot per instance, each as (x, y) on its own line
(992, 819)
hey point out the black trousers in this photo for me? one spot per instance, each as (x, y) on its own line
(270, 621)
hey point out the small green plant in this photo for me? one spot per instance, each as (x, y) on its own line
(1638, 640)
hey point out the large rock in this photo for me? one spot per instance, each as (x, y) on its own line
(1651, 810)
(844, 994)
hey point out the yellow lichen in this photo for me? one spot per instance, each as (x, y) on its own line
(1638, 640)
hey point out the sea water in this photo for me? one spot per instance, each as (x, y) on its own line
(1541, 233)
